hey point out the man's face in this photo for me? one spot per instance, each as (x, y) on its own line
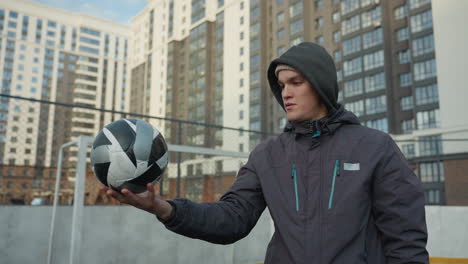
(300, 100)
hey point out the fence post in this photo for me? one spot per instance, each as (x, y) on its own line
(179, 157)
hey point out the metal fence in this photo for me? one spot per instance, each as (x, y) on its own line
(204, 158)
(203, 162)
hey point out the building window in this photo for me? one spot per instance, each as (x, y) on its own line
(433, 196)
(421, 21)
(372, 17)
(380, 124)
(241, 98)
(281, 50)
(296, 41)
(408, 150)
(351, 45)
(405, 79)
(431, 171)
(356, 107)
(296, 27)
(375, 105)
(404, 56)
(280, 34)
(336, 36)
(318, 22)
(320, 40)
(339, 75)
(241, 115)
(337, 55)
(255, 13)
(241, 82)
(348, 6)
(424, 45)
(353, 88)
(280, 17)
(402, 34)
(254, 61)
(406, 103)
(400, 12)
(430, 145)
(373, 60)
(351, 25)
(418, 3)
(428, 119)
(424, 70)
(336, 17)
(352, 66)
(407, 126)
(373, 38)
(427, 94)
(318, 4)
(295, 9)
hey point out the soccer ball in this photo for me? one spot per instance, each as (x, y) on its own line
(129, 153)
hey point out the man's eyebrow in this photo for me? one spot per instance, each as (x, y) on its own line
(294, 78)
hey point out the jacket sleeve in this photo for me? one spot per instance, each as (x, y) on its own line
(398, 208)
(226, 221)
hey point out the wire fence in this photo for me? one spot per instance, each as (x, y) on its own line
(201, 167)
(32, 132)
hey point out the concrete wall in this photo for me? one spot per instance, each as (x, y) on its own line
(117, 234)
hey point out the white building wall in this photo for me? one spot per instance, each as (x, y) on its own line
(451, 42)
(31, 58)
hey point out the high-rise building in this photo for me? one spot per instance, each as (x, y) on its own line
(54, 55)
(191, 63)
(384, 53)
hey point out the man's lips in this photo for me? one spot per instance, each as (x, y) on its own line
(289, 106)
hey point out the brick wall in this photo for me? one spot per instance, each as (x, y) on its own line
(456, 181)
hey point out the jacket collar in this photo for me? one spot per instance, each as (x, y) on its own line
(315, 128)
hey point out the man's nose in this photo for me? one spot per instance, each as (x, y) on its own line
(286, 93)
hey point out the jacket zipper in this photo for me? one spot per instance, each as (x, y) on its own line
(294, 177)
(336, 172)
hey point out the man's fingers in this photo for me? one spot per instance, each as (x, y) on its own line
(130, 196)
(115, 195)
(150, 188)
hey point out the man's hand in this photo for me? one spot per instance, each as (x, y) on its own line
(151, 202)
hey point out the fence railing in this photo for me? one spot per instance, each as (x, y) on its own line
(204, 158)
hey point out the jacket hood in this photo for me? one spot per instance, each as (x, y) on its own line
(325, 125)
(316, 65)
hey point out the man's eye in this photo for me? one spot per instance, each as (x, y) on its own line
(297, 83)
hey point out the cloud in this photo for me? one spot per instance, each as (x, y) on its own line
(115, 10)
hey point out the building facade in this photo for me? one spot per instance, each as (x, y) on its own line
(54, 55)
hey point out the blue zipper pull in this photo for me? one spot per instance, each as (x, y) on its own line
(294, 176)
(336, 172)
(318, 133)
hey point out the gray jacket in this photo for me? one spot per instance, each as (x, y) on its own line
(344, 196)
(338, 192)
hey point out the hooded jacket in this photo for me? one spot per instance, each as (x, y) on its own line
(337, 192)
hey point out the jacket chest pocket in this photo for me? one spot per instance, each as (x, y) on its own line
(289, 186)
(343, 180)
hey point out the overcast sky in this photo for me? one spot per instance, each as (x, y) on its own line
(116, 10)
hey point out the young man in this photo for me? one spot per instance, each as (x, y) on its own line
(338, 192)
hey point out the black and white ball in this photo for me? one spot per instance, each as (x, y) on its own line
(129, 153)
